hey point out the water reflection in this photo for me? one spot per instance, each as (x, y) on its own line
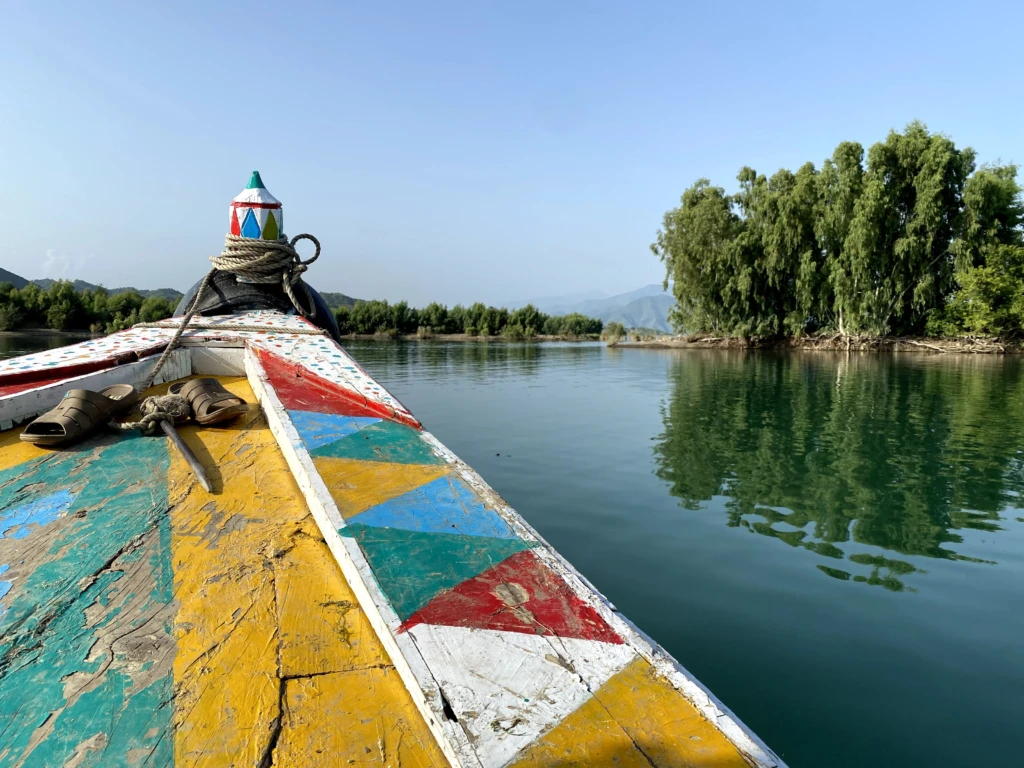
(837, 455)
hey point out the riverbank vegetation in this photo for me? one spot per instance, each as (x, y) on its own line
(61, 307)
(381, 318)
(915, 241)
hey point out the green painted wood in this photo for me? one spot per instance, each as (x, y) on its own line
(413, 567)
(255, 182)
(86, 643)
(383, 441)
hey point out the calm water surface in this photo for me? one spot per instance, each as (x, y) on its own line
(832, 544)
(14, 344)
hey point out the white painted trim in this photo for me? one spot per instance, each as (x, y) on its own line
(706, 702)
(405, 655)
(218, 361)
(19, 406)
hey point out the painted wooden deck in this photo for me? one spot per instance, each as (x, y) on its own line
(169, 626)
(146, 622)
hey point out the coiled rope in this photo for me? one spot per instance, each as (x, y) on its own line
(253, 261)
(169, 408)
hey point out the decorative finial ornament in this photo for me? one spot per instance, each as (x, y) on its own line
(256, 213)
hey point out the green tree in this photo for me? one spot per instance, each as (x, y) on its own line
(696, 244)
(435, 317)
(343, 316)
(155, 308)
(613, 332)
(839, 187)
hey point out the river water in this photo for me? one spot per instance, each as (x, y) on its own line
(833, 544)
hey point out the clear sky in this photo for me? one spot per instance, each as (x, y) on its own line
(454, 151)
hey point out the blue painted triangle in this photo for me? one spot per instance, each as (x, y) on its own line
(444, 505)
(317, 429)
(250, 227)
(15, 523)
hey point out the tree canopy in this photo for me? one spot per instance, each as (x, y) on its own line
(476, 320)
(61, 307)
(914, 240)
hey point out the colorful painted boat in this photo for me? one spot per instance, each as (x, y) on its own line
(350, 593)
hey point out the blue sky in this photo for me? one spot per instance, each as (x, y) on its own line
(454, 151)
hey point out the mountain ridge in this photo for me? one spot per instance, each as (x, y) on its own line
(646, 307)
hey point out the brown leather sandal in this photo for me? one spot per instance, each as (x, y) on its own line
(80, 414)
(209, 401)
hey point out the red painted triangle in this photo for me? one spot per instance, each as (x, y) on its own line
(299, 389)
(520, 594)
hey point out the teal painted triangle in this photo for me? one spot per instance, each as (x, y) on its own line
(255, 182)
(383, 441)
(412, 568)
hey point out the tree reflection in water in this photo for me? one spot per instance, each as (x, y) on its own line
(839, 453)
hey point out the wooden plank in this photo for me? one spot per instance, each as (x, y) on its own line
(17, 407)
(415, 674)
(407, 561)
(263, 612)
(85, 623)
(145, 621)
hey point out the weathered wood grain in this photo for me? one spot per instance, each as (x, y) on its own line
(144, 621)
(506, 645)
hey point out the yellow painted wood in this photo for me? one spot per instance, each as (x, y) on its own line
(635, 720)
(374, 733)
(318, 612)
(356, 486)
(14, 452)
(262, 606)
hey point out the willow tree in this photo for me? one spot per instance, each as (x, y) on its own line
(839, 187)
(696, 244)
(898, 248)
(860, 250)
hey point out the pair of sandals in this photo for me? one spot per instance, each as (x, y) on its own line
(81, 412)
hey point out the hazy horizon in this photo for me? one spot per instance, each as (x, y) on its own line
(453, 152)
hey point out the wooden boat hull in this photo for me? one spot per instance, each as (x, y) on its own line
(154, 622)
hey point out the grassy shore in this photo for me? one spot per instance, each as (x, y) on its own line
(462, 337)
(838, 343)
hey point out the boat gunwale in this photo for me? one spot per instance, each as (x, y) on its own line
(223, 353)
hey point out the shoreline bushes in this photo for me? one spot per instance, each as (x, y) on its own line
(378, 316)
(61, 308)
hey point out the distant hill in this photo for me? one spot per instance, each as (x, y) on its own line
(645, 307)
(555, 301)
(80, 285)
(9, 277)
(646, 312)
(335, 300)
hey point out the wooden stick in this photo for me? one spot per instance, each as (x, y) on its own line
(186, 452)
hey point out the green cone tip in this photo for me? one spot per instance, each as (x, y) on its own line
(255, 182)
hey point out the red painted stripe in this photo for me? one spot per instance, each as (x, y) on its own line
(13, 389)
(40, 377)
(520, 594)
(255, 205)
(299, 389)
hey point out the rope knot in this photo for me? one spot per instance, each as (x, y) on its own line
(252, 261)
(269, 261)
(169, 408)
